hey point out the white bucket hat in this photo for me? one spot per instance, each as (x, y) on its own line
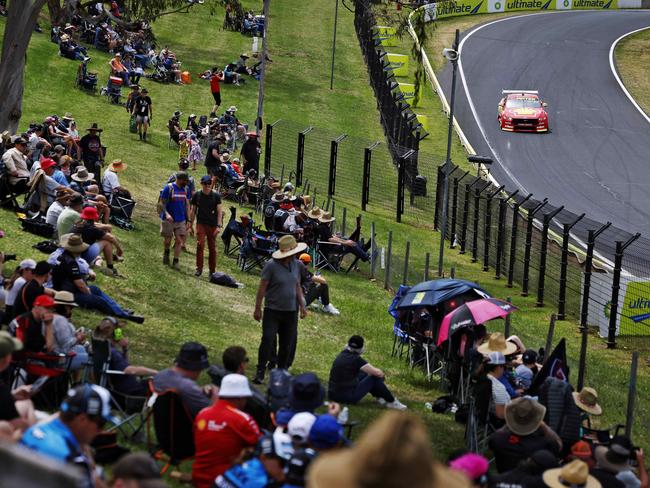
(235, 386)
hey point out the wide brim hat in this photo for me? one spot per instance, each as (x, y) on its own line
(117, 166)
(73, 243)
(279, 197)
(193, 356)
(232, 108)
(288, 247)
(306, 393)
(606, 462)
(225, 158)
(497, 343)
(235, 386)
(65, 298)
(79, 175)
(314, 213)
(326, 218)
(95, 127)
(587, 400)
(524, 415)
(571, 474)
(68, 115)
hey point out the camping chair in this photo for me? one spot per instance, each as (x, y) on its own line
(256, 249)
(121, 211)
(479, 426)
(7, 194)
(53, 368)
(601, 437)
(236, 231)
(173, 426)
(132, 409)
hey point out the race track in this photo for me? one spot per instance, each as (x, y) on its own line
(597, 157)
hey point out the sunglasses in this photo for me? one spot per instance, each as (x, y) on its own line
(206, 183)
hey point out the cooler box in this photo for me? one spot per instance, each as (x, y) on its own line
(399, 63)
(115, 80)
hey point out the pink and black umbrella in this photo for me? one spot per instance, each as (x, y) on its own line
(473, 313)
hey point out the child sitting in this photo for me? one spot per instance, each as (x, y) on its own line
(524, 373)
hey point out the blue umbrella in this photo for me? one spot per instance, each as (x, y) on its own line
(431, 293)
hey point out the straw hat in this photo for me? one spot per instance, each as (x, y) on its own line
(82, 174)
(306, 200)
(73, 243)
(326, 217)
(279, 197)
(576, 473)
(288, 246)
(65, 298)
(587, 401)
(117, 166)
(524, 415)
(497, 343)
(225, 157)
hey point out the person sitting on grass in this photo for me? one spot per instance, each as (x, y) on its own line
(67, 275)
(174, 126)
(352, 378)
(99, 238)
(118, 69)
(33, 288)
(315, 287)
(182, 376)
(15, 161)
(23, 273)
(325, 234)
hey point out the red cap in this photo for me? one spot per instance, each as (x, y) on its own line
(44, 301)
(89, 213)
(47, 163)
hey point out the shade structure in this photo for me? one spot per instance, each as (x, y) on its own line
(431, 293)
(473, 313)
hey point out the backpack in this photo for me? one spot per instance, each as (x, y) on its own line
(279, 388)
(279, 218)
(162, 203)
(223, 279)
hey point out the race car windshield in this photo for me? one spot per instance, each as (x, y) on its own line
(523, 103)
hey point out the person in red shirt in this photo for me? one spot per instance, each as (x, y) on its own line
(215, 88)
(222, 431)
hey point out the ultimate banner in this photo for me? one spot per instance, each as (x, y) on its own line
(441, 10)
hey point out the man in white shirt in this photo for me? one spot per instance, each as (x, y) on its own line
(15, 160)
(60, 203)
(495, 368)
(110, 181)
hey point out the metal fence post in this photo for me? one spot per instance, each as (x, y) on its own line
(586, 287)
(513, 240)
(487, 233)
(529, 240)
(300, 156)
(373, 247)
(631, 395)
(454, 210)
(268, 147)
(616, 288)
(501, 233)
(463, 229)
(438, 211)
(407, 254)
(365, 183)
(334, 149)
(401, 174)
(542, 255)
(388, 260)
(564, 264)
(477, 205)
(506, 326)
(427, 259)
(343, 220)
(582, 364)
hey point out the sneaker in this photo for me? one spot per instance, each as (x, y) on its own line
(331, 309)
(396, 405)
(138, 319)
(140, 134)
(198, 272)
(166, 258)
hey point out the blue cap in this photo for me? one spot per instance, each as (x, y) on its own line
(92, 400)
(326, 432)
(283, 416)
(206, 179)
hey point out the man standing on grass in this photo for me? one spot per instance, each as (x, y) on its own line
(206, 208)
(215, 89)
(281, 291)
(174, 217)
(143, 113)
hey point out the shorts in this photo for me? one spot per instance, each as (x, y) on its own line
(212, 170)
(142, 119)
(171, 229)
(217, 97)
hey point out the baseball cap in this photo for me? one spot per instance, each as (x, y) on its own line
(277, 444)
(300, 425)
(193, 357)
(90, 399)
(326, 432)
(356, 343)
(206, 179)
(27, 264)
(496, 358)
(42, 268)
(235, 386)
(529, 357)
(8, 344)
(44, 301)
(47, 163)
(283, 416)
(305, 258)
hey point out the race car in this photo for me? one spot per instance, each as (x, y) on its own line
(522, 111)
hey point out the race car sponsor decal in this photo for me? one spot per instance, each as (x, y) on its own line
(524, 111)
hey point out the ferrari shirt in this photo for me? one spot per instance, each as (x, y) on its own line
(220, 433)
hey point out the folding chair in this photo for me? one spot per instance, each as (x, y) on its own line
(121, 211)
(601, 436)
(235, 231)
(479, 426)
(173, 426)
(7, 194)
(256, 249)
(132, 409)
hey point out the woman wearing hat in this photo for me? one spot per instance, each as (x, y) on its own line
(281, 293)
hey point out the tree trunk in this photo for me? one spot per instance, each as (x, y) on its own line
(21, 20)
(56, 13)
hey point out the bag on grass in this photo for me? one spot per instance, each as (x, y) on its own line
(38, 226)
(47, 247)
(133, 126)
(279, 388)
(224, 280)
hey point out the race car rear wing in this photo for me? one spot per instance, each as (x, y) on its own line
(522, 92)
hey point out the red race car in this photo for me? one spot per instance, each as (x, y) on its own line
(522, 111)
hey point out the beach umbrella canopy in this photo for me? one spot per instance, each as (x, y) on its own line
(431, 293)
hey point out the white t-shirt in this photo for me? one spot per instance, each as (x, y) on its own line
(499, 393)
(110, 182)
(53, 213)
(12, 293)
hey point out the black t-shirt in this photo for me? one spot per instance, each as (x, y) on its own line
(517, 478)
(90, 147)
(142, 104)
(509, 449)
(210, 160)
(64, 274)
(324, 232)
(32, 335)
(206, 207)
(251, 152)
(88, 231)
(7, 406)
(344, 372)
(607, 479)
(26, 296)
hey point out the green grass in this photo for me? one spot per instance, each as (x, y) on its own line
(179, 307)
(632, 56)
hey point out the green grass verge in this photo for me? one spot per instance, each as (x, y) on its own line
(632, 57)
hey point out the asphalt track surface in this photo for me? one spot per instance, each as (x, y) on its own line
(596, 159)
